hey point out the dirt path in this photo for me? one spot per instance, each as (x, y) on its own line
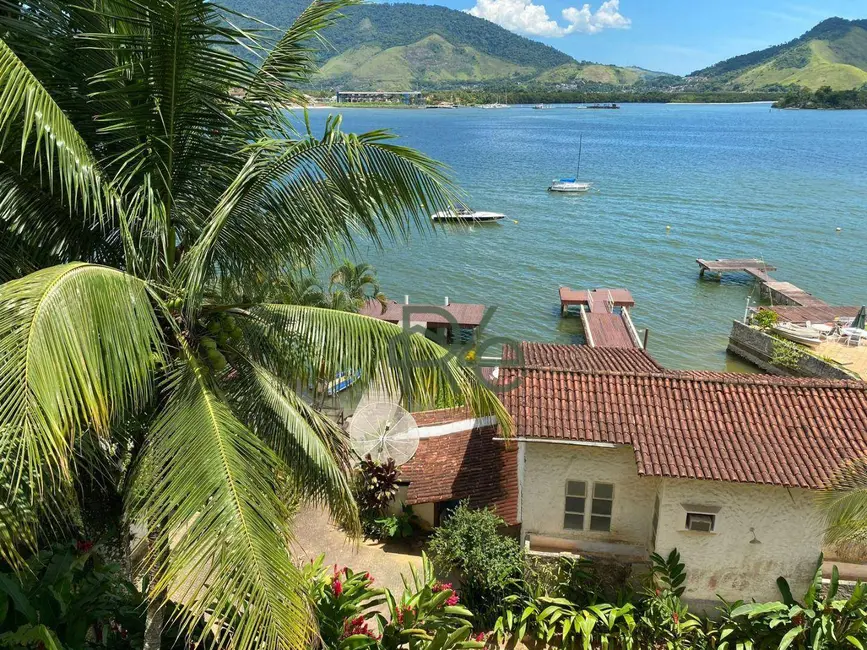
(315, 536)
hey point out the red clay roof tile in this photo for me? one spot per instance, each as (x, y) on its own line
(721, 426)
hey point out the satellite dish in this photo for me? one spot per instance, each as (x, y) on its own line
(384, 430)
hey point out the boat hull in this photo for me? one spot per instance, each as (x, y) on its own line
(576, 189)
(806, 337)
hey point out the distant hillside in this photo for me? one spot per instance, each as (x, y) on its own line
(833, 53)
(399, 46)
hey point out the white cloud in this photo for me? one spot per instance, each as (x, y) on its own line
(524, 17)
(608, 16)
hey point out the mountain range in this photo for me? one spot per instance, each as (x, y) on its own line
(416, 46)
(833, 53)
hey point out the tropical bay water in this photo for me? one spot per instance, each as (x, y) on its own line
(730, 180)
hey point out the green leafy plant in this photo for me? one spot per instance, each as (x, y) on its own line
(665, 619)
(399, 525)
(765, 319)
(66, 597)
(558, 622)
(786, 354)
(491, 565)
(818, 621)
(375, 488)
(427, 615)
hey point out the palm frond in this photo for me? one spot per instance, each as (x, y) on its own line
(292, 60)
(78, 348)
(30, 116)
(206, 486)
(845, 505)
(295, 199)
(407, 366)
(314, 449)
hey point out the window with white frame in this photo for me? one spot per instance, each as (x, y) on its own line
(576, 502)
(600, 510)
(601, 505)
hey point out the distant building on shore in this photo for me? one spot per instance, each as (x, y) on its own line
(409, 97)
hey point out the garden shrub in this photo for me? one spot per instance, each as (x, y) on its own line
(490, 565)
(352, 614)
(375, 488)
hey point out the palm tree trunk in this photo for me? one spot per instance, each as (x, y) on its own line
(156, 613)
(154, 621)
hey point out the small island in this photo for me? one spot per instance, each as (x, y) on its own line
(824, 98)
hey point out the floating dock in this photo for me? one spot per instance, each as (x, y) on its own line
(605, 316)
(780, 293)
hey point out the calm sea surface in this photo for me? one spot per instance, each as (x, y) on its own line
(731, 181)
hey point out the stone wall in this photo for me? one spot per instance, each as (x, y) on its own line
(757, 347)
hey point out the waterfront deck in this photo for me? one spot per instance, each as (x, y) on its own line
(780, 293)
(792, 305)
(725, 265)
(604, 315)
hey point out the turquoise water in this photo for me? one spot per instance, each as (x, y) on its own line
(731, 181)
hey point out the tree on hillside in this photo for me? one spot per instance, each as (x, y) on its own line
(149, 189)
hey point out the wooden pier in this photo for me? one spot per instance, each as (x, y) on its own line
(780, 293)
(605, 316)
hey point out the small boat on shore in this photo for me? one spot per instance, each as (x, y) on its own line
(342, 381)
(540, 107)
(798, 334)
(463, 214)
(610, 107)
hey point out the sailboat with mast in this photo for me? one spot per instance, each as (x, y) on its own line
(571, 184)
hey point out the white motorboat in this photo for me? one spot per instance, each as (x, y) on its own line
(798, 333)
(540, 107)
(464, 214)
(494, 105)
(571, 185)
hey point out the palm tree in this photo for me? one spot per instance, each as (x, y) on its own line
(845, 506)
(358, 284)
(149, 188)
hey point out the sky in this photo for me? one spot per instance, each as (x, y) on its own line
(677, 36)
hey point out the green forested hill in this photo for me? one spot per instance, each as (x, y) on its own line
(833, 53)
(402, 45)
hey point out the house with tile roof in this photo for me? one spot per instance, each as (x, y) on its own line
(615, 456)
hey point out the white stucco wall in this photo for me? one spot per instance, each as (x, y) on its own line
(786, 522)
(547, 467)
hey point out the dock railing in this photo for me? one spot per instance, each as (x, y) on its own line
(633, 333)
(590, 299)
(586, 323)
(610, 302)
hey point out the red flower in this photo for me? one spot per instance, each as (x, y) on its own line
(675, 618)
(357, 625)
(441, 586)
(452, 600)
(480, 637)
(368, 577)
(83, 546)
(337, 587)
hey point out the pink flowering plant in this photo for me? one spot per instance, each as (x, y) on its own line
(345, 603)
(428, 615)
(354, 615)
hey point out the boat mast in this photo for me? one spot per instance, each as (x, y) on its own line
(580, 142)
